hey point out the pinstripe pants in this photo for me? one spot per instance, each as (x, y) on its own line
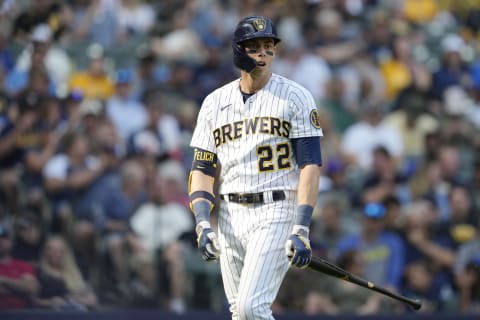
(253, 260)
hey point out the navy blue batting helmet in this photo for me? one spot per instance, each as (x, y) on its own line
(248, 28)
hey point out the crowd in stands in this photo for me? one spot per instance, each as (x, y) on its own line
(98, 102)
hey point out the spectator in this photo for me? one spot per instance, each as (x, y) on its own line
(18, 283)
(295, 65)
(135, 17)
(361, 138)
(29, 238)
(463, 220)
(382, 251)
(396, 70)
(452, 70)
(69, 173)
(68, 178)
(61, 284)
(347, 297)
(71, 110)
(331, 44)
(340, 111)
(215, 70)
(95, 22)
(330, 223)
(149, 73)
(127, 115)
(93, 83)
(160, 225)
(420, 283)
(17, 136)
(56, 61)
(162, 126)
(50, 128)
(428, 250)
(414, 123)
(173, 177)
(384, 180)
(122, 247)
(468, 282)
(19, 79)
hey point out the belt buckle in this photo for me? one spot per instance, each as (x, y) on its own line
(242, 199)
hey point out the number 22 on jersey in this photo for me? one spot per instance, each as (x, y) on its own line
(271, 159)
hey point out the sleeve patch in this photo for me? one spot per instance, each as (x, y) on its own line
(315, 118)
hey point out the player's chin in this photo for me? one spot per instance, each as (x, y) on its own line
(261, 69)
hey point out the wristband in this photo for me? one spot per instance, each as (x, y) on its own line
(304, 215)
(201, 211)
(202, 194)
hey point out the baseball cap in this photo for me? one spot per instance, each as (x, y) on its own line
(42, 33)
(452, 43)
(4, 231)
(95, 51)
(75, 95)
(123, 76)
(374, 210)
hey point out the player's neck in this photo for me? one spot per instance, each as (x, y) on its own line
(251, 83)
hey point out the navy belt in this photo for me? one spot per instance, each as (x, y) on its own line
(252, 198)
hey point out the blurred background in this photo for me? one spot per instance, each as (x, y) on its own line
(98, 101)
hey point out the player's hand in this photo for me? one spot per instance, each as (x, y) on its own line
(298, 248)
(207, 241)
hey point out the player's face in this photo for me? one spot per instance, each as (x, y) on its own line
(262, 50)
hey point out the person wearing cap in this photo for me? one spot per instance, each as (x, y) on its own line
(93, 83)
(56, 60)
(127, 114)
(453, 70)
(18, 283)
(383, 252)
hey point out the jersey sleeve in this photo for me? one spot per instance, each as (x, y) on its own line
(305, 118)
(203, 134)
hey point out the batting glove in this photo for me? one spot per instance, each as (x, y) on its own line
(298, 248)
(207, 241)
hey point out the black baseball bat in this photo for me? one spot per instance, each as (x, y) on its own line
(326, 267)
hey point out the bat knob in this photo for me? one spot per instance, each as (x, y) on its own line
(417, 304)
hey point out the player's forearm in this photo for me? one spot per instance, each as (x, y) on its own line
(307, 197)
(308, 185)
(200, 182)
(201, 195)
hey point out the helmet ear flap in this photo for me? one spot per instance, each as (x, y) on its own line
(241, 59)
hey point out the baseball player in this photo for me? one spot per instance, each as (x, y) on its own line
(263, 131)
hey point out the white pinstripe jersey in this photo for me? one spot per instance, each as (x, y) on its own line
(252, 139)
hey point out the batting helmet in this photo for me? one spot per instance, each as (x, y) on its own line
(251, 28)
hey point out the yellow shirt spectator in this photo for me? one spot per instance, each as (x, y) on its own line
(94, 82)
(397, 76)
(420, 11)
(92, 87)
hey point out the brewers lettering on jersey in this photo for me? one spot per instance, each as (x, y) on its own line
(264, 131)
